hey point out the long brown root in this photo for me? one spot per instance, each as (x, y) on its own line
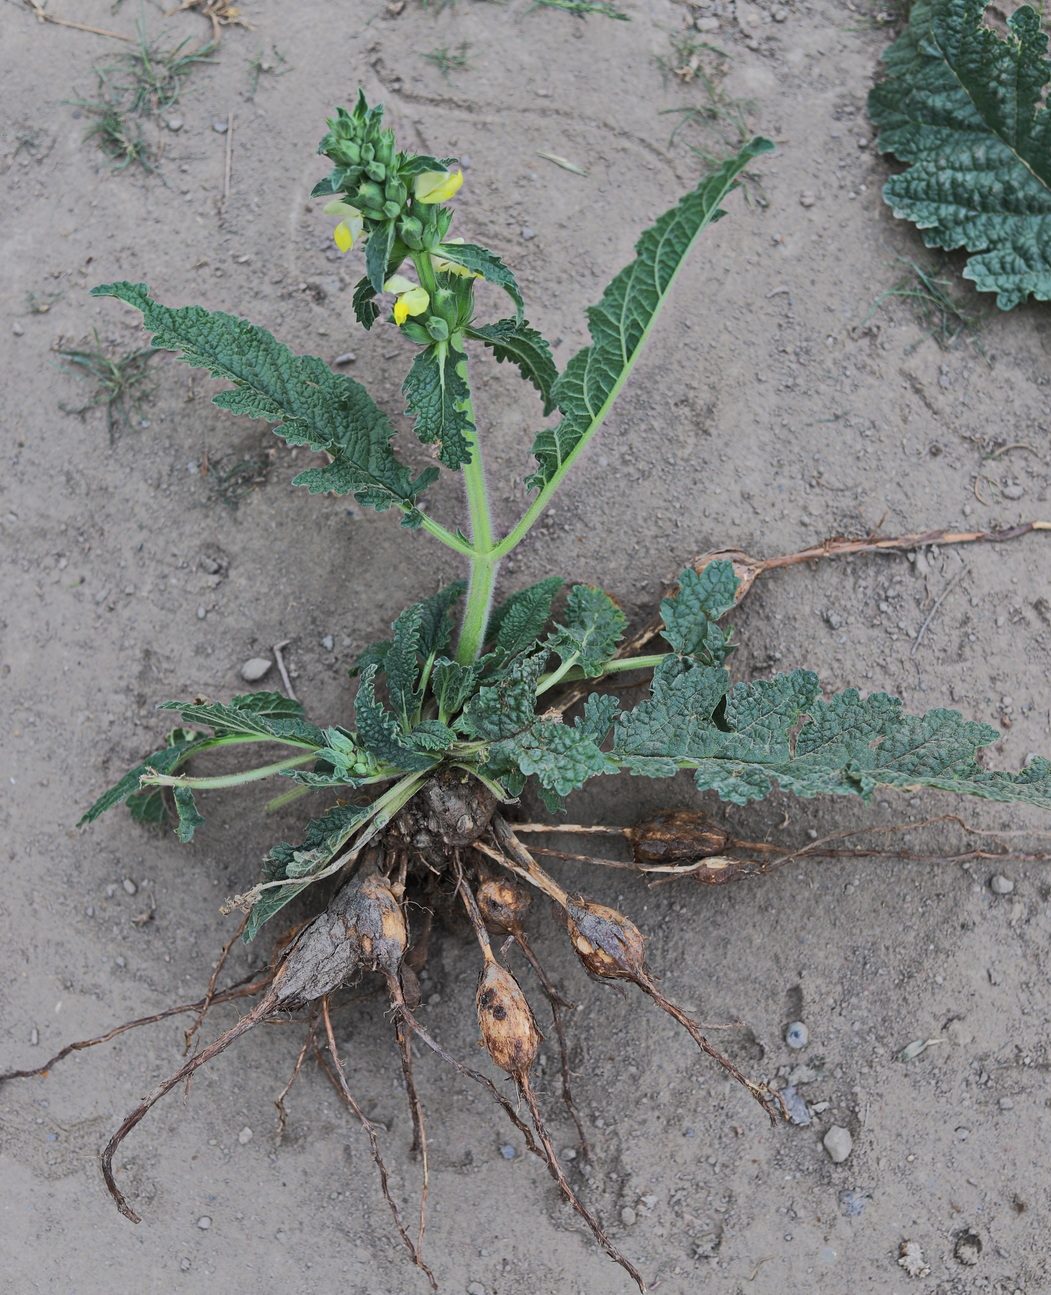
(246, 1023)
(339, 1079)
(242, 989)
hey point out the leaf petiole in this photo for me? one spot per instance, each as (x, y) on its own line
(227, 779)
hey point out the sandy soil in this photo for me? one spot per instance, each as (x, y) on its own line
(769, 412)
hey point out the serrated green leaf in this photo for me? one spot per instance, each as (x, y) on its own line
(378, 731)
(378, 254)
(266, 719)
(310, 404)
(560, 756)
(148, 806)
(592, 625)
(366, 312)
(439, 399)
(479, 260)
(677, 716)
(964, 108)
(524, 347)
(518, 622)
(508, 704)
(375, 654)
(437, 620)
(190, 818)
(164, 761)
(323, 837)
(402, 667)
(600, 710)
(621, 322)
(432, 735)
(453, 683)
(699, 602)
(761, 715)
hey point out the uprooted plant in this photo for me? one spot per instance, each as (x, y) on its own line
(465, 705)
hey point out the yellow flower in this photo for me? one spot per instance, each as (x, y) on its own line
(410, 298)
(436, 186)
(443, 265)
(350, 229)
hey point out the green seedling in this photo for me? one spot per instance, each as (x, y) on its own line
(275, 65)
(121, 139)
(472, 701)
(582, 8)
(117, 383)
(945, 319)
(229, 485)
(447, 60)
(42, 303)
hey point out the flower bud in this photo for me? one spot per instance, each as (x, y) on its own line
(674, 835)
(437, 329)
(605, 941)
(370, 195)
(376, 171)
(410, 231)
(391, 210)
(508, 1027)
(395, 191)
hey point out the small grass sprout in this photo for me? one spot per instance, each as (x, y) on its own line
(582, 8)
(275, 64)
(117, 383)
(945, 318)
(448, 60)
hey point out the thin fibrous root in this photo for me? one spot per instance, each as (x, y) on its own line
(209, 993)
(282, 1113)
(557, 1002)
(339, 1080)
(238, 990)
(570, 1195)
(419, 1127)
(257, 1014)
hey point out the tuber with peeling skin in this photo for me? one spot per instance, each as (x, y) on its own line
(605, 941)
(674, 835)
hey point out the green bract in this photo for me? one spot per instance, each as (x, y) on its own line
(965, 110)
(476, 702)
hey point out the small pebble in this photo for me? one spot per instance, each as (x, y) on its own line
(1001, 885)
(797, 1035)
(348, 357)
(130, 887)
(796, 1107)
(202, 612)
(570, 1153)
(1006, 1104)
(328, 642)
(838, 1143)
(174, 123)
(527, 233)
(628, 1216)
(779, 14)
(204, 1222)
(120, 961)
(255, 668)
(507, 1151)
(184, 1265)
(17, 329)
(476, 1288)
(807, 199)
(708, 23)
(245, 1136)
(34, 1037)
(1013, 491)
(220, 127)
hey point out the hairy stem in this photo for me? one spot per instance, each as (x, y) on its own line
(227, 779)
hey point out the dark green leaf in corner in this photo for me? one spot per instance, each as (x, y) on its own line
(965, 109)
(522, 346)
(310, 404)
(440, 401)
(622, 320)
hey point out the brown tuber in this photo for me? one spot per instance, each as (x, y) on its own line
(676, 835)
(606, 942)
(509, 1029)
(504, 905)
